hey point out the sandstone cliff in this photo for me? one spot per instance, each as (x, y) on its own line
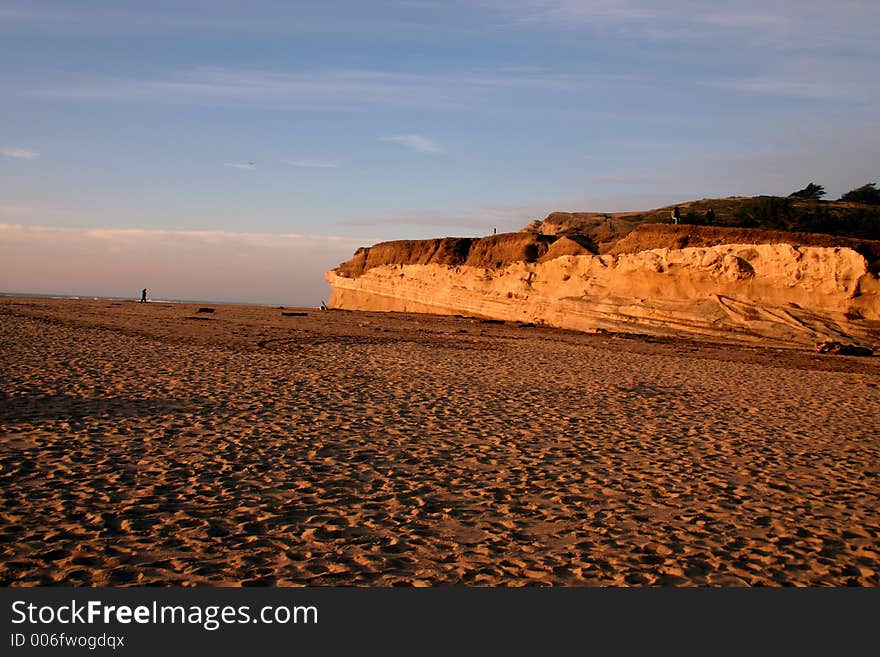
(747, 285)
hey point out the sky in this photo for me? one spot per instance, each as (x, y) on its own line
(236, 151)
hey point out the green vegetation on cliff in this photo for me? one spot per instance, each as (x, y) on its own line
(794, 214)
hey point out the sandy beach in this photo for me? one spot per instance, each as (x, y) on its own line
(151, 444)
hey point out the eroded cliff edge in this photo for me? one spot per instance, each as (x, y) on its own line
(727, 283)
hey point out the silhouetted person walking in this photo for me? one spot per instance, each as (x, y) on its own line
(144, 295)
(676, 215)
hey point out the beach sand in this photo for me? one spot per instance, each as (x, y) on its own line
(153, 444)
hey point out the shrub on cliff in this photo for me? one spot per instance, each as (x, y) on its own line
(770, 212)
(812, 191)
(868, 194)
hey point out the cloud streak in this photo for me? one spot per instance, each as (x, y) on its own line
(311, 164)
(249, 166)
(344, 89)
(19, 153)
(809, 77)
(774, 24)
(418, 143)
(134, 236)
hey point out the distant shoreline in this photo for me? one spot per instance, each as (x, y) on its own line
(90, 297)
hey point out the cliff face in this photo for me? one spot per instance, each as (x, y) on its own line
(494, 251)
(660, 236)
(782, 292)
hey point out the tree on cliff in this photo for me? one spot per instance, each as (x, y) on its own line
(812, 191)
(865, 194)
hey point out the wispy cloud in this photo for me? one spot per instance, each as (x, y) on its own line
(137, 18)
(343, 89)
(416, 142)
(422, 4)
(774, 24)
(19, 153)
(250, 166)
(132, 236)
(312, 164)
(809, 77)
(631, 178)
(571, 13)
(779, 86)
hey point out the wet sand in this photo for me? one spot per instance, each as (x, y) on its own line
(149, 444)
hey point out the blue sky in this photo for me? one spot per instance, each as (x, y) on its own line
(236, 151)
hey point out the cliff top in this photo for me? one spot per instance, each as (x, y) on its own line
(771, 213)
(738, 220)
